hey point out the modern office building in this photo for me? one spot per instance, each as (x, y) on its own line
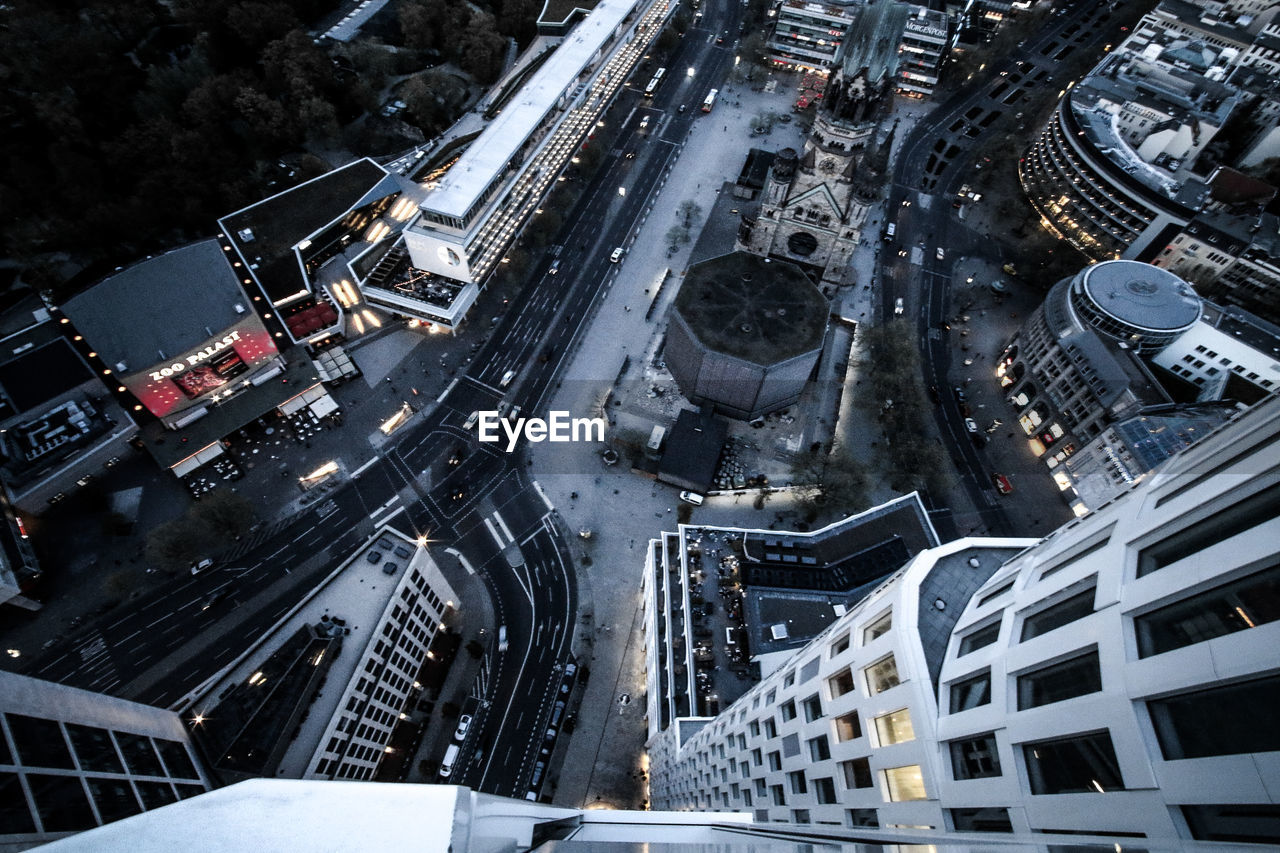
(808, 36)
(1228, 354)
(1074, 366)
(1115, 681)
(71, 760)
(777, 590)
(1119, 169)
(364, 634)
(926, 39)
(1110, 464)
(293, 248)
(472, 213)
(1233, 260)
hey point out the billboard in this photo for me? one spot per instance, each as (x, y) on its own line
(197, 375)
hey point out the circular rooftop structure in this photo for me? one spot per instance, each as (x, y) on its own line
(1144, 306)
(745, 333)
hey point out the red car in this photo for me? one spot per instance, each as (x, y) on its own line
(1002, 483)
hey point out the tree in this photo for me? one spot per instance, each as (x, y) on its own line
(677, 236)
(688, 212)
(481, 50)
(175, 545)
(226, 513)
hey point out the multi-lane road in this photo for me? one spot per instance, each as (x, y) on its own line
(935, 160)
(472, 499)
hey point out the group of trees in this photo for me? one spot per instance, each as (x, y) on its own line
(837, 482)
(473, 38)
(892, 369)
(222, 516)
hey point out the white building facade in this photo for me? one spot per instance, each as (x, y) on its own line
(1116, 679)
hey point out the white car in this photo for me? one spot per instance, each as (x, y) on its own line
(506, 379)
(464, 723)
(897, 305)
(692, 498)
(970, 425)
(941, 254)
(616, 256)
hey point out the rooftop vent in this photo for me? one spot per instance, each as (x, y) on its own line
(245, 235)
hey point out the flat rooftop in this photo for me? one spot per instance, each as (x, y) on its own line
(756, 309)
(1141, 295)
(489, 155)
(161, 307)
(266, 232)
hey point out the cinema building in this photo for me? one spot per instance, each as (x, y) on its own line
(174, 337)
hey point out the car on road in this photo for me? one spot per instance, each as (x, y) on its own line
(446, 763)
(464, 723)
(502, 638)
(971, 425)
(941, 254)
(213, 598)
(1003, 486)
(506, 379)
(630, 155)
(200, 565)
(644, 123)
(471, 420)
(683, 107)
(959, 392)
(616, 256)
(555, 267)
(897, 305)
(692, 498)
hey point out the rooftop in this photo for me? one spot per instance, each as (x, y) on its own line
(487, 157)
(558, 11)
(160, 307)
(873, 40)
(752, 308)
(1247, 328)
(266, 233)
(36, 366)
(1141, 295)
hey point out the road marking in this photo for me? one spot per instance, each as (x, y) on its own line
(380, 510)
(394, 513)
(546, 500)
(161, 619)
(461, 559)
(445, 392)
(507, 530)
(494, 533)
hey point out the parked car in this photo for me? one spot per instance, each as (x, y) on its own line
(971, 425)
(464, 723)
(941, 254)
(616, 256)
(1003, 486)
(897, 305)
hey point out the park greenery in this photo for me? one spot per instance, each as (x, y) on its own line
(204, 529)
(131, 125)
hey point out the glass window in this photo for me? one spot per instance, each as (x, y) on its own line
(991, 819)
(1073, 765)
(788, 710)
(857, 773)
(1219, 527)
(770, 728)
(1055, 616)
(975, 757)
(800, 815)
(1230, 719)
(139, 754)
(775, 760)
(840, 645)
(39, 742)
(882, 675)
(1236, 606)
(861, 817)
(114, 798)
(971, 692)
(156, 794)
(997, 592)
(94, 749)
(779, 796)
(791, 746)
(796, 778)
(15, 817)
(818, 748)
(1240, 823)
(756, 757)
(895, 728)
(754, 728)
(812, 708)
(1057, 682)
(848, 727)
(903, 783)
(5, 756)
(979, 639)
(825, 790)
(840, 683)
(61, 803)
(808, 670)
(878, 628)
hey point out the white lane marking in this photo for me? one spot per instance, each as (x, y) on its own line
(362, 468)
(507, 530)
(461, 559)
(494, 533)
(546, 500)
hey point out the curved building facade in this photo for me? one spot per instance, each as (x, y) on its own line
(1073, 367)
(1084, 197)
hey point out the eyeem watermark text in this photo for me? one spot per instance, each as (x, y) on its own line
(559, 426)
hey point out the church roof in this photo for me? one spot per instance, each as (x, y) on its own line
(873, 40)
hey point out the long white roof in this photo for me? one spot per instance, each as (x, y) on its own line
(493, 149)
